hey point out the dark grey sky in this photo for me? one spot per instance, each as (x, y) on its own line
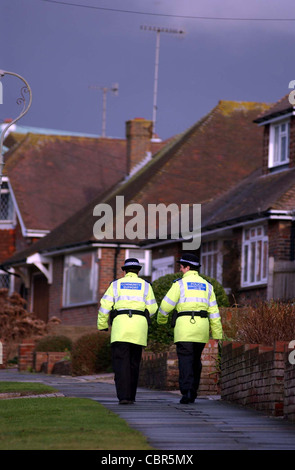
(62, 50)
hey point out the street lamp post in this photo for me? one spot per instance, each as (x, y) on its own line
(21, 100)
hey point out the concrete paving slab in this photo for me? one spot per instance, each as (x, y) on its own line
(208, 424)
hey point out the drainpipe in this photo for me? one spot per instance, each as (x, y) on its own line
(117, 251)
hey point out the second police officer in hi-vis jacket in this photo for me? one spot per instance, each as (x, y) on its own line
(196, 309)
(130, 301)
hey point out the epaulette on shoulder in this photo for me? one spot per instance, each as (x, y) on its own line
(175, 280)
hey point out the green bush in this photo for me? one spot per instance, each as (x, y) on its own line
(161, 336)
(54, 343)
(91, 354)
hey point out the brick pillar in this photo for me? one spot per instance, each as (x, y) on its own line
(26, 356)
(3, 355)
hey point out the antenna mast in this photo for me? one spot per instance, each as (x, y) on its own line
(114, 89)
(158, 30)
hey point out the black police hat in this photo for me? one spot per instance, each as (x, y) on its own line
(190, 259)
(131, 263)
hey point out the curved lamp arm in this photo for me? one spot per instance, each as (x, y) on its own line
(26, 106)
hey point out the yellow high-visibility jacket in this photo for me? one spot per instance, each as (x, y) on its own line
(192, 293)
(128, 293)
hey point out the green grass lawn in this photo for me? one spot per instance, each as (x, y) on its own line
(61, 423)
(25, 388)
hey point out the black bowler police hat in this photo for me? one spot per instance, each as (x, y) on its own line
(131, 263)
(190, 259)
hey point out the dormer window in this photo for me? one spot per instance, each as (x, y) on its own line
(279, 144)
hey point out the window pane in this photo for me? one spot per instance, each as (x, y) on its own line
(252, 263)
(245, 263)
(276, 144)
(214, 273)
(258, 261)
(283, 149)
(4, 281)
(5, 207)
(265, 260)
(209, 265)
(80, 279)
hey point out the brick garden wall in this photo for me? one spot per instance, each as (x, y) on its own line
(160, 371)
(259, 377)
(289, 391)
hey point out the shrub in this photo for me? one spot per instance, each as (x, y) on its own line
(16, 323)
(91, 354)
(267, 322)
(162, 336)
(58, 343)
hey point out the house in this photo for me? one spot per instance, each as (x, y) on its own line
(198, 166)
(248, 232)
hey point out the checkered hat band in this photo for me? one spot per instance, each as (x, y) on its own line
(190, 262)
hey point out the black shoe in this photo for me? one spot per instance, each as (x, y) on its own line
(125, 402)
(184, 400)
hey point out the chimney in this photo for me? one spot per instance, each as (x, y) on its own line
(139, 132)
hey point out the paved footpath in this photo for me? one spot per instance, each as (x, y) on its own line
(208, 424)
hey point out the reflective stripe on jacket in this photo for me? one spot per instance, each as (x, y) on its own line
(192, 293)
(128, 293)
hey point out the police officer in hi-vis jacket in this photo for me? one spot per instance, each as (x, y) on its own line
(130, 302)
(196, 310)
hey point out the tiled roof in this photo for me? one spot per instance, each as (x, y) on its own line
(252, 198)
(196, 167)
(283, 106)
(54, 176)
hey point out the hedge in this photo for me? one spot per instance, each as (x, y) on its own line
(162, 336)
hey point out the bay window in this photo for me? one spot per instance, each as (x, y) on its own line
(254, 256)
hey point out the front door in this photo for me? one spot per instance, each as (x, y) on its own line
(40, 297)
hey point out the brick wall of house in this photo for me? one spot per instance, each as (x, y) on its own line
(160, 370)
(253, 375)
(279, 241)
(7, 244)
(265, 169)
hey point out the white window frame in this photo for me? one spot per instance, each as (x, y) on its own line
(163, 266)
(10, 222)
(93, 280)
(275, 144)
(144, 257)
(10, 287)
(211, 259)
(254, 256)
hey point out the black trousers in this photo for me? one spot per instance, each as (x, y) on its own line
(190, 366)
(126, 358)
